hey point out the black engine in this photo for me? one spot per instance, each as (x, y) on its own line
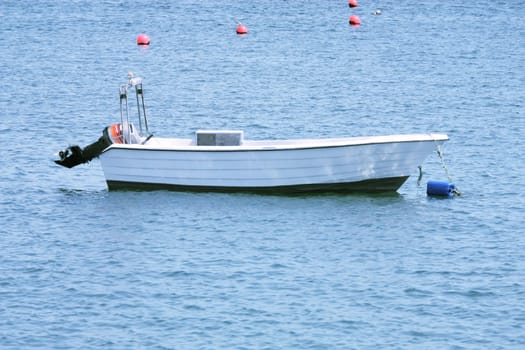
(74, 155)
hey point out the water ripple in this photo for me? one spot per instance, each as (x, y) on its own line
(81, 267)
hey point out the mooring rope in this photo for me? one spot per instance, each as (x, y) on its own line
(442, 159)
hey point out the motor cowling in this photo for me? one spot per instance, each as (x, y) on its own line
(75, 155)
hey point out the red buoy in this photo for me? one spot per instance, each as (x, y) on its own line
(352, 3)
(143, 39)
(354, 20)
(241, 29)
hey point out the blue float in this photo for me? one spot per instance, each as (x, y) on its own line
(441, 188)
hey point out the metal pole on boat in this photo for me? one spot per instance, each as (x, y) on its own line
(123, 96)
(137, 83)
(127, 129)
(138, 90)
(143, 108)
(125, 126)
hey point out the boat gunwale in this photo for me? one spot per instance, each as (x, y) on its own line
(294, 145)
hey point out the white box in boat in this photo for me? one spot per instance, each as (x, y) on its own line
(219, 137)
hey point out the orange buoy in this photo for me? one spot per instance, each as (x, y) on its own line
(354, 20)
(143, 39)
(241, 29)
(352, 3)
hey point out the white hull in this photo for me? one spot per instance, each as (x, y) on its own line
(366, 164)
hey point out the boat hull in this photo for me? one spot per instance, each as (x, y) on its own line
(371, 164)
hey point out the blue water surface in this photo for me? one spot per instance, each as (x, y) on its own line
(84, 268)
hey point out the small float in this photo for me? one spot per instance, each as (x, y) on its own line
(224, 160)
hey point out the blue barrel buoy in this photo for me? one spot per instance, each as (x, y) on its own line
(440, 188)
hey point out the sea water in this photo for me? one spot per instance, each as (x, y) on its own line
(81, 267)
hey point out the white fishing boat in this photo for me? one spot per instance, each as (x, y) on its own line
(223, 160)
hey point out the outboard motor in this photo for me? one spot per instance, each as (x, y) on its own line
(115, 133)
(123, 132)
